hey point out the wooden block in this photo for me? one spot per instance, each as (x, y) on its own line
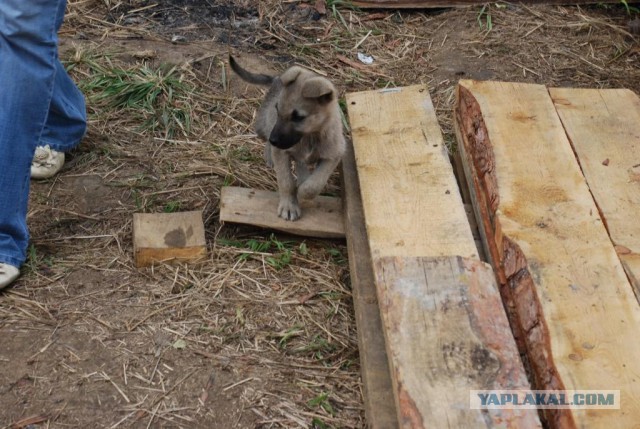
(379, 406)
(168, 237)
(446, 334)
(603, 126)
(411, 201)
(321, 217)
(570, 304)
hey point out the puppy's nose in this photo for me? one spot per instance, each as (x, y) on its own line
(276, 142)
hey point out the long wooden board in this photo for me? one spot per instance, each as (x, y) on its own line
(411, 202)
(569, 301)
(380, 410)
(445, 339)
(321, 217)
(425, 4)
(412, 208)
(603, 126)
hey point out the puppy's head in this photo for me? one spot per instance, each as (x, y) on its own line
(303, 106)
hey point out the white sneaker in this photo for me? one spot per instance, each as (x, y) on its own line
(8, 273)
(46, 162)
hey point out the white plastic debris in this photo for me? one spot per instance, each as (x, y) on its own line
(365, 59)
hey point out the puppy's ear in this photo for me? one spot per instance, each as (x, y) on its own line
(319, 88)
(290, 75)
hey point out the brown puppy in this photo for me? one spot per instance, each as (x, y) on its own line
(300, 120)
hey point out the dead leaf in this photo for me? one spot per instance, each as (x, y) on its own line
(374, 16)
(359, 66)
(321, 7)
(305, 298)
(180, 344)
(29, 421)
(145, 55)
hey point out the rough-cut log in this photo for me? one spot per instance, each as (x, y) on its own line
(447, 334)
(379, 406)
(569, 302)
(321, 217)
(427, 4)
(603, 126)
(412, 208)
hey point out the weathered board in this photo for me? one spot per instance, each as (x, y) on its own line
(321, 217)
(603, 126)
(411, 201)
(571, 306)
(412, 208)
(444, 339)
(168, 237)
(426, 4)
(380, 410)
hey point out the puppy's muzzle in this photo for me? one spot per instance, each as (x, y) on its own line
(285, 141)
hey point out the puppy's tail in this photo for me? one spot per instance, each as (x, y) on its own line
(255, 78)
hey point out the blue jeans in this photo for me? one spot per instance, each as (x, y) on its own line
(39, 105)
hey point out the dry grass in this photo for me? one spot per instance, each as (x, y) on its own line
(262, 333)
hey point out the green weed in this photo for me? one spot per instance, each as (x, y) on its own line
(628, 8)
(322, 401)
(343, 114)
(334, 6)
(316, 423)
(279, 253)
(287, 335)
(172, 207)
(484, 18)
(337, 256)
(36, 261)
(319, 347)
(159, 95)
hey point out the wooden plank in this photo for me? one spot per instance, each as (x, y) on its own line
(168, 237)
(380, 410)
(603, 126)
(427, 4)
(570, 304)
(444, 339)
(410, 197)
(321, 217)
(412, 207)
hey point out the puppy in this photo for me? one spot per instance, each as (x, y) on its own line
(300, 121)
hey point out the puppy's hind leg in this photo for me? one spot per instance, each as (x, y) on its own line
(288, 207)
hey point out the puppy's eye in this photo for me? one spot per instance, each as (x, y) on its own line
(296, 117)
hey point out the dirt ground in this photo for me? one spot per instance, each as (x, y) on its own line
(261, 334)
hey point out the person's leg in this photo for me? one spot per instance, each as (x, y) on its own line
(67, 119)
(28, 58)
(64, 128)
(66, 122)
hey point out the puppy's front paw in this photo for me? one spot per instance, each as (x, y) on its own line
(308, 191)
(289, 210)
